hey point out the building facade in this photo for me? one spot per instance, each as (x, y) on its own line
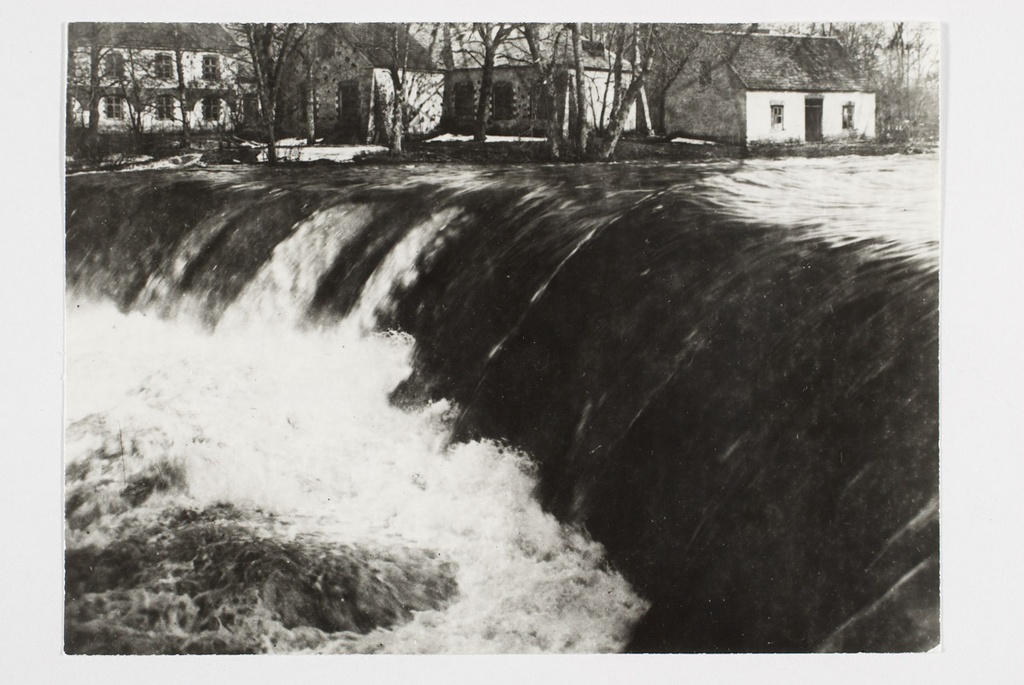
(154, 77)
(343, 77)
(749, 88)
(518, 104)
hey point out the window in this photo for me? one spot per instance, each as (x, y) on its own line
(113, 107)
(777, 117)
(163, 66)
(113, 66)
(503, 100)
(211, 67)
(211, 108)
(540, 103)
(464, 99)
(705, 72)
(164, 107)
(250, 107)
(848, 116)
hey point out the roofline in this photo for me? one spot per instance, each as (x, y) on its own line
(758, 34)
(165, 48)
(812, 90)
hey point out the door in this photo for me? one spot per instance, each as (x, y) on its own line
(812, 119)
(348, 110)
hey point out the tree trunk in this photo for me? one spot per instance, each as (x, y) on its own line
(94, 85)
(397, 127)
(310, 105)
(580, 128)
(484, 101)
(545, 78)
(606, 146)
(183, 100)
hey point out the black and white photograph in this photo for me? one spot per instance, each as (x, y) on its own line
(614, 339)
(502, 338)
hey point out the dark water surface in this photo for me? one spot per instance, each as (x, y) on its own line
(725, 374)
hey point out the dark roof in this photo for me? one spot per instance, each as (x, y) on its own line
(193, 37)
(376, 43)
(467, 51)
(777, 62)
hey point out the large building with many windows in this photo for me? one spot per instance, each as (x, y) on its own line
(154, 77)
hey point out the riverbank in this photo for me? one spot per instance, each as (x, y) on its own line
(527, 151)
(634, 150)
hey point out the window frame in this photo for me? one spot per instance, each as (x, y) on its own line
(211, 67)
(250, 107)
(113, 66)
(113, 107)
(503, 106)
(778, 116)
(211, 108)
(540, 103)
(849, 114)
(163, 107)
(163, 66)
(464, 99)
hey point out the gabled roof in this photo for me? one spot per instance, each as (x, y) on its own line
(778, 62)
(158, 35)
(375, 42)
(467, 51)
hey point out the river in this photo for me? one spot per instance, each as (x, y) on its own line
(684, 407)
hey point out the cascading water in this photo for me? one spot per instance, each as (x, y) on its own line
(659, 408)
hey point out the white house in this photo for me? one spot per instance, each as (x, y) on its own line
(148, 77)
(756, 87)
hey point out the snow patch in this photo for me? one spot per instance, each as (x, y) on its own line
(306, 153)
(693, 141)
(452, 138)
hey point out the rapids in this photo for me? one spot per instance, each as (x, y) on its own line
(455, 409)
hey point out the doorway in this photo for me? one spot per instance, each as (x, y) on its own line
(812, 119)
(348, 111)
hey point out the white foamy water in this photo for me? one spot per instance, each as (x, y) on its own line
(895, 199)
(298, 425)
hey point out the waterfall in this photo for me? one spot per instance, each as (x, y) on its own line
(542, 409)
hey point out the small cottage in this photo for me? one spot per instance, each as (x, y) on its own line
(746, 88)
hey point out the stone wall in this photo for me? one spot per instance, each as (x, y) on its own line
(708, 105)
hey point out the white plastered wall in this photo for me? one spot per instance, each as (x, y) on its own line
(759, 115)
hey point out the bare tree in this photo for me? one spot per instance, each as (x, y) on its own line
(178, 39)
(491, 36)
(134, 81)
(398, 69)
(579, 126)
(641, 41)
(91, 34)
(271, 49)
(547, 68)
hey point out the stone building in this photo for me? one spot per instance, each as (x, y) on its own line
(517, 104)
(148, 77)
(343, 76)
(755, 87)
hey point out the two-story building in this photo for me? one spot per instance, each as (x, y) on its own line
(154, 77)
